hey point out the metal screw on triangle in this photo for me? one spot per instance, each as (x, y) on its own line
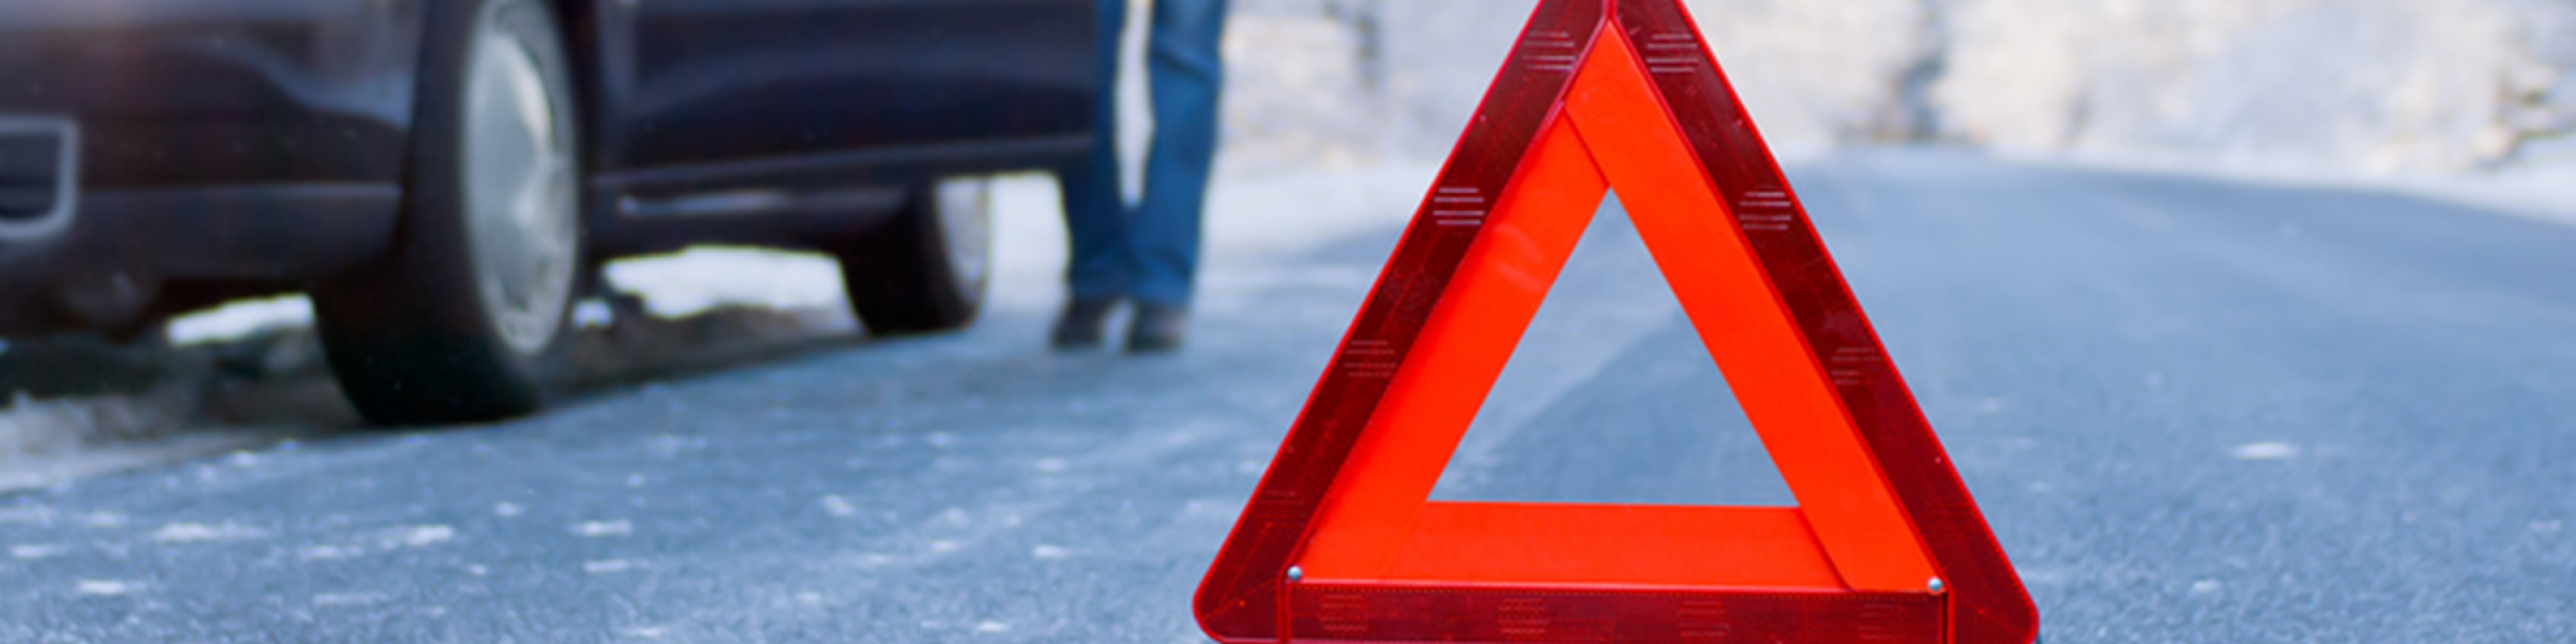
(1297, 574)
(1936, 586)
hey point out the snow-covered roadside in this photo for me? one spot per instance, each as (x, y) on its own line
(112, 408)
(44, 441)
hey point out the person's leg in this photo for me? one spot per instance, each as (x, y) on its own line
(1186, 74)
(1095, 215)
(1099, 270)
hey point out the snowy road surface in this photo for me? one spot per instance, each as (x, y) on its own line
(2195, 411)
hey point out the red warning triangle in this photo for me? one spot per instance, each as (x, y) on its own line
(1341, 541)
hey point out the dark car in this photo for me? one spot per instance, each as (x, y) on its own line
(444, 176)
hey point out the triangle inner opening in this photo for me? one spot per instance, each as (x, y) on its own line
(1611, 397)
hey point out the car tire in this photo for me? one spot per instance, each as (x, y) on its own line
(453, 321)
(927, 270)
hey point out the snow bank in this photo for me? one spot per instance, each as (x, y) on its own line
(47, 441)
(1335, 80)
(2469, 97)
(2374, 87)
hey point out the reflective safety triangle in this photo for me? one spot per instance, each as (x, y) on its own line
(1341, 541)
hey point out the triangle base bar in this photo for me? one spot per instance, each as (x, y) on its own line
(1448, 613)
(1563, 543)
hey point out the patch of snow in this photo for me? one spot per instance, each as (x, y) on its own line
(184, 532)
(105, 587)
(606, 566)
(700, 279)
(350, 599)
(944, 546)
(63, 432)
(591, 314)
(618, 528)
(989, 626)
(28, 551)
(2265, 451)
(645, 632)
(1049, 552)
(507, 509)
(54, 441)
(839, 507)
(327, 552)
(241, 319)
(423, 536)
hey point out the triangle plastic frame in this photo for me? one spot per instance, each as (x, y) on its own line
(1340, 542)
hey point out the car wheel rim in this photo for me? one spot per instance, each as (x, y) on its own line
(519, 188)
(965, 225)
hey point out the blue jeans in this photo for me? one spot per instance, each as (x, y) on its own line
(1149, 252)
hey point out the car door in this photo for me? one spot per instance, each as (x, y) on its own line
(711, 92)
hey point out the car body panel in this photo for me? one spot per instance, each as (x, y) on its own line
(234, 145)
(690, 82)
(819, 106)
(218, 92)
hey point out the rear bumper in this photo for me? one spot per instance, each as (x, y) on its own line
(110, 265)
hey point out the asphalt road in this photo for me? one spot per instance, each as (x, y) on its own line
(2195, 411)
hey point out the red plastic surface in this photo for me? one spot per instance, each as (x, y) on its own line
(1881, 509)
(1421, 613)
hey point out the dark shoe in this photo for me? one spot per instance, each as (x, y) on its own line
(1084, 324)
(1157, 328)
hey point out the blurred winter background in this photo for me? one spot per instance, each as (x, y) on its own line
(2474, 95)
(1338, 112)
